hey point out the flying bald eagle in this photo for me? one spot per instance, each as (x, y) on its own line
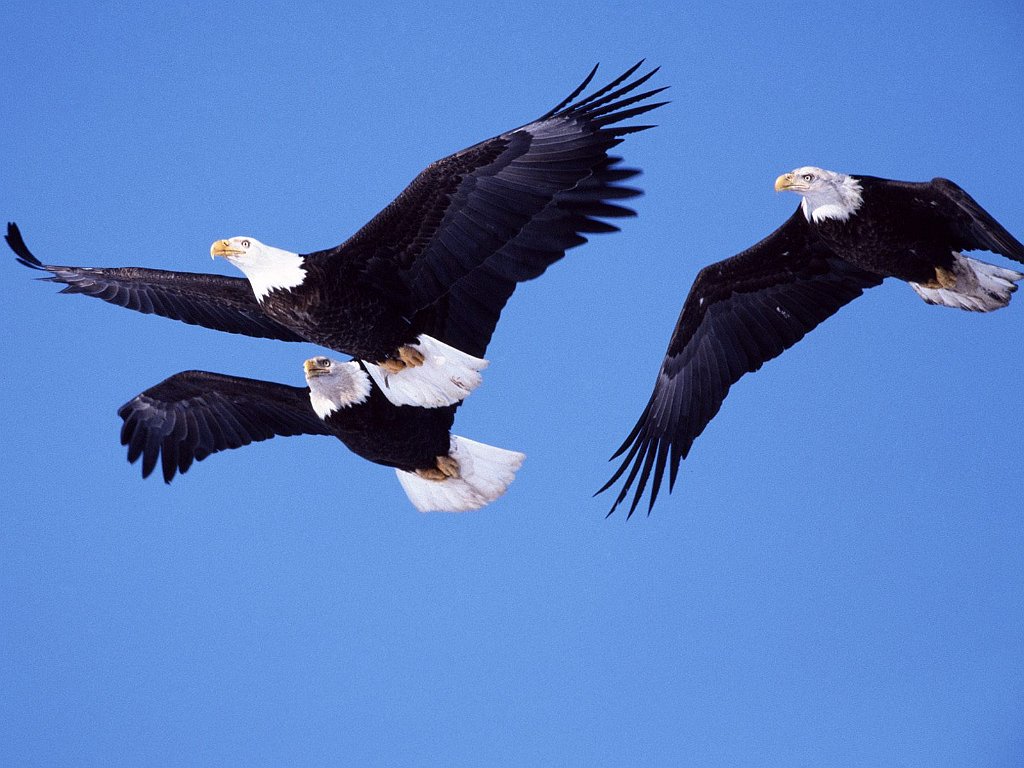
(193, 414)
(448, 251)
(849, 234)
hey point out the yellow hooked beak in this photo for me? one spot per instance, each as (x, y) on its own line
(224, 248)
(313, 368)
(784, 182)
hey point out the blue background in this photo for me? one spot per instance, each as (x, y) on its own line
(838, 578)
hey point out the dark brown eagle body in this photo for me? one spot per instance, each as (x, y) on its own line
(337, 309)
(400, 436)
(899, 231)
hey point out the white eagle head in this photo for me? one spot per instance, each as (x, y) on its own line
(267, 268)
(334, 385)
(826, 194)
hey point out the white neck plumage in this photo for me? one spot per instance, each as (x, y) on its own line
(277, 269)
(839, 200)
(346, 385)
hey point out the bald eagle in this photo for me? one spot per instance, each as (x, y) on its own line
(849, 234)
(448, 251)
(193, 414)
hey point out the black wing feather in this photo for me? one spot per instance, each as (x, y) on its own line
(212, 301)
(467, 314)
(500, 212)
(192, 414)
(972, 225)
(739, 313)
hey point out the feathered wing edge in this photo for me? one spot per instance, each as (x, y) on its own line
(21, 251)
(467, 312)
(982, 230)
(739, 314)
(193, 414)
(217, 302)
(608, 104)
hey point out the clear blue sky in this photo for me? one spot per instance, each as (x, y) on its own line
(838, 579)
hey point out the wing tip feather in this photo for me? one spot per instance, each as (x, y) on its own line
(17, 244)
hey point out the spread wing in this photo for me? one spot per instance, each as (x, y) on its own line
(510, 205)
(739, 313)
(212, 301)
(971, 226)
(467, 314)
(192, 414)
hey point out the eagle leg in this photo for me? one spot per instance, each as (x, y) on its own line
(448, 465)
(408, 357)
(446, 468)
(945, 278)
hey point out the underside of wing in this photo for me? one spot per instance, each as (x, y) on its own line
(192, 414)
(739, 313)
(212, 301)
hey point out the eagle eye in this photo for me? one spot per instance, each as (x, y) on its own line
(323, 362)
(808, 177)
(245, 243)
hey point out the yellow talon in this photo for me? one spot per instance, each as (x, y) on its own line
(410, 356)
(945, 278)
(448, 465)
(446, 468)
